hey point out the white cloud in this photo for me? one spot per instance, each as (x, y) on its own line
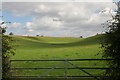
(28, 24)
(43, 24)
(42, 9)
(13, 25)
(63, 19)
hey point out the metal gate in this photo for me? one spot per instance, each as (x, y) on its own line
(64, 61)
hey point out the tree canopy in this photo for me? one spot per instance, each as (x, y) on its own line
(111, 45)
(7, 51)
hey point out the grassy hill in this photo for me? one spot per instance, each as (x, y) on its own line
(56, 48)
(52, 47)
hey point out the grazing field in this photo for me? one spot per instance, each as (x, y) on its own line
(57, 48)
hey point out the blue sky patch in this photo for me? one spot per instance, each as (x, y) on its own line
(9, 17)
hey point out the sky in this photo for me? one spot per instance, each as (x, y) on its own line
(58, 19)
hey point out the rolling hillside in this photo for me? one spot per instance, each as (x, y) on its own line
(52, 47)
(56, 48)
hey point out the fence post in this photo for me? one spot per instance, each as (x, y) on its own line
(65, 69)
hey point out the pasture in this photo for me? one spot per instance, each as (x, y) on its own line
(57, 48)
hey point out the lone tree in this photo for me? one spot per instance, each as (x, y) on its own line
(37, 35)
(11, 33)
(42, 35)
(111, 45)
(7, 51)
(81, 36)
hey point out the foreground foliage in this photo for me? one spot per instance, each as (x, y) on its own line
(111, 46)
(7, 51)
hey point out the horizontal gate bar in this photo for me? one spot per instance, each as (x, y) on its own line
(62, 68)
(63, 60)
(54, 76)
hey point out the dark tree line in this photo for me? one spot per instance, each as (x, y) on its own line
(111, 46)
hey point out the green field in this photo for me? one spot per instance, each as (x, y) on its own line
(57, 48)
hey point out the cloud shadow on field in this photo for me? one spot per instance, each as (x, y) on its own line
(39, 43)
